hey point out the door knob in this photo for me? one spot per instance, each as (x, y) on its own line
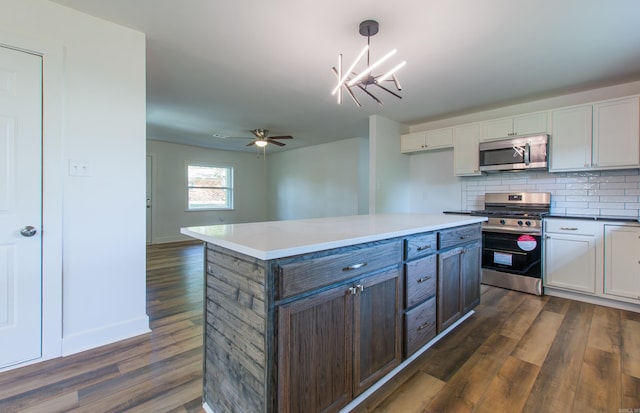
(28, 231)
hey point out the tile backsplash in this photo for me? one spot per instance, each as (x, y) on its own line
(614, 193)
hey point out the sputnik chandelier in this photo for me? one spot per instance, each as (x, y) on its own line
(350, 79)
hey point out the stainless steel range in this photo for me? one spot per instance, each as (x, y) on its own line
(512, 240)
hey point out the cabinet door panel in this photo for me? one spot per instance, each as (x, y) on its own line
(439, 138)
(530, 123)
(497, 128)
(471, 267)
(449, 288)
(315, 352)
(622, 261)
(571, 139)
(616, 139)
(377, 326)
(465, 150)
(412, 142)
(570, 262)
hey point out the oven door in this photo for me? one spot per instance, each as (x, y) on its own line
(515, 253)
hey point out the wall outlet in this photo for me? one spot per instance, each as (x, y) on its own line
(79, 168)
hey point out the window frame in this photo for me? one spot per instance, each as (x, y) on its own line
(231, 189)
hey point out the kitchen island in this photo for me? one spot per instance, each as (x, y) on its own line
(306, 315)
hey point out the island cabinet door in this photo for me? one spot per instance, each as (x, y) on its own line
(471, 262)
(315, 352)
(450, 303)
(377, 328)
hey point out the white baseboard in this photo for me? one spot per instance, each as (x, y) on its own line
(592, 299)
(86, 340)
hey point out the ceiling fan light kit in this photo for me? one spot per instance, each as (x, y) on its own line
(350, 79)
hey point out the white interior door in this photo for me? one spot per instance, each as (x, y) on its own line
(20, 206)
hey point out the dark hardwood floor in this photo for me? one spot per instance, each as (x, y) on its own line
(518, 353)
(157, 372)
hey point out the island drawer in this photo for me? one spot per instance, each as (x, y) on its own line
(420, 326)
(420, 245)
(311, 271)
(459, 235)
(420, 279)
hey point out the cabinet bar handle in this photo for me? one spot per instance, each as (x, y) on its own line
(422, 327)
(354, 266)
(423, 247)
(423, 279)
(568, 228)
(353, 290)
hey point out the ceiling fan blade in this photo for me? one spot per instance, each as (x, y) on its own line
(281, 137)
(252, 143)
(275, 142)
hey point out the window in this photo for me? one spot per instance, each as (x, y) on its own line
(209, 187)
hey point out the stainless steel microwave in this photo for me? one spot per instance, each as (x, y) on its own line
(515, 154)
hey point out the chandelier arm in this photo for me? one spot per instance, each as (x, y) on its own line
(387, 90)
(357, 102)
(396, 81)
(370, 94)
(353, 96)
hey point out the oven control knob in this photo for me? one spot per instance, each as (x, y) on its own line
(502, 221)
(528, 223)
(520, 223)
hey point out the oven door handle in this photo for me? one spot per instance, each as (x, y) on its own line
(505, 251)
(504, 230)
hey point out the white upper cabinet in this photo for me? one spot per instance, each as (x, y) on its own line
(465, 149)
(514, 126)
(602, 135)
(423, 141)
(570, 143)
(616, 133)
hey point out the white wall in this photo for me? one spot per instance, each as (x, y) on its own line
(103, 122)
(389, 170)
(433, 187)
(319, 181)
(169, 183)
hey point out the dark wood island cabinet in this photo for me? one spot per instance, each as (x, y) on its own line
(312, 331)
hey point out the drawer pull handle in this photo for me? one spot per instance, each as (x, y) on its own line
(425, 325)
(354, 266)
(568, 228)
(423, 279)
(464, 237)
(424, 247)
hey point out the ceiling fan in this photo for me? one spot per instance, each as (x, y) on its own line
(263, 138)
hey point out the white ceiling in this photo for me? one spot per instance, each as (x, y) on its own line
(224, 66)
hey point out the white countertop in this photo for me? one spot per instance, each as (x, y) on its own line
(278, 239)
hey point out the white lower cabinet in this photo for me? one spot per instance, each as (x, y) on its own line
(622, 261)
(595, 261)
(570, 255)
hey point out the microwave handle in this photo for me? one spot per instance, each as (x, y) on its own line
(527, 154)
